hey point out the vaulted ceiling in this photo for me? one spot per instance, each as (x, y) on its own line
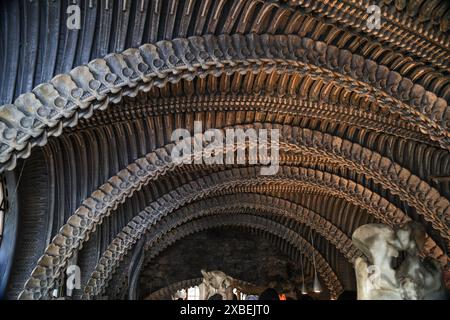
(85, 134)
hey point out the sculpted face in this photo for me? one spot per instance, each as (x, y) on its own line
(403, 236)
(411, 237)
(378, 242)
(387, 248)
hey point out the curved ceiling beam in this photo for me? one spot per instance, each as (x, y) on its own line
(378, 207)
(73, 234)
(323, 102)
(249, 16)
(236, 203)
(409, 188)
(399, 32)
(387, 213)
(107, 197)
(30, 260)
(156, 20)
(426, 163)
(80, 225)
(98, 280)
(135, 119)
(51, 106)
(257, 203)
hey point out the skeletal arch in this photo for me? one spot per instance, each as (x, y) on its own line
(78, 225)
(58, 104)
(417, 96)
(248, 204)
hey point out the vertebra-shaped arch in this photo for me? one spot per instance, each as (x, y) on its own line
(234, 203)
(79, 227)
(51, 106)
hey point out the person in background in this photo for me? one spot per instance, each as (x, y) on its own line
(269, 294)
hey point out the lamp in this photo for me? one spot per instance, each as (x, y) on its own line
(303, 289)
(317, 288)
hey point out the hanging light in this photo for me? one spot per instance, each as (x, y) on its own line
(303, 289)
(317, 288)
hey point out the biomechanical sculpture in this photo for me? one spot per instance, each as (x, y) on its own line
(215, 282)
(380, 277)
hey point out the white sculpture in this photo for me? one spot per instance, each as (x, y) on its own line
(413, 279)
(216, 282)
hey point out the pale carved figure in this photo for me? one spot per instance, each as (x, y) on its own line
(215, 282)
(413, 279)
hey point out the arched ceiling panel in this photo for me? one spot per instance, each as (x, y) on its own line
(87, 117)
